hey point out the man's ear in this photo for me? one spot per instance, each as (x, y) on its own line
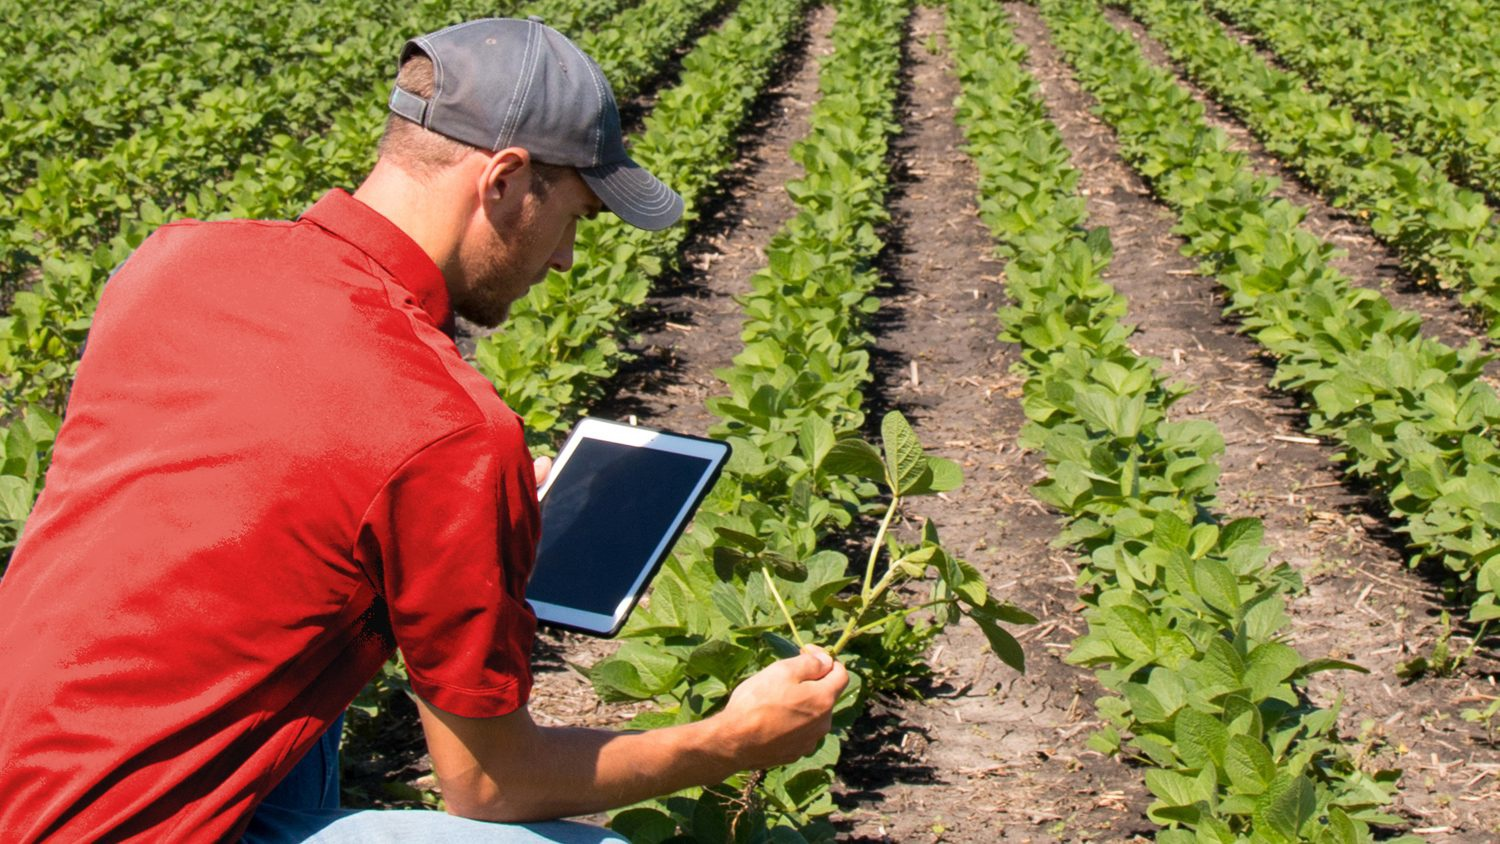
(503, 175)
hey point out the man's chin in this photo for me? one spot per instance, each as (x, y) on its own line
(488, 317)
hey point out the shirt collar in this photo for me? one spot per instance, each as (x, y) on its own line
(386, 244)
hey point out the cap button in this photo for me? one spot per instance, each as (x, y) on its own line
(535, 19)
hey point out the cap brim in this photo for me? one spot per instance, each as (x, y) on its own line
(632, 194)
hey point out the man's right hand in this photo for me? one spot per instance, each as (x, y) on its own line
(781, 713)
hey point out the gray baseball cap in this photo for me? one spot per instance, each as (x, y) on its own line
(502, 82)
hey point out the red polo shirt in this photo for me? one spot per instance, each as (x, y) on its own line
(274, 467)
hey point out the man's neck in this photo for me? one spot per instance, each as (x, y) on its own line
(429, 211)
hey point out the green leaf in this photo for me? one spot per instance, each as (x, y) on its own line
(15, 497)
(1106, 741)
(816, 439)
(1247, 532)
(729, 601)
(1484, 612)
(617, 680)
(644, 825)
(915, 564)
(1326, 664)
(1131, 632)
(729, 561)
(1008, 613)
(1170, 531)
(965, 580)
(783, 647)
(1285, 806)
(783, 567)
(739, 540)
(1175, 789)
(710, 820)
(939, 475)
(719, 659)
(903, 453)
(1220, 669)
(1249, 764)
(1144, 704)
(854, 457)
(1268, 666)
(1201, 738)
(1216, 584)
(806, 786)
(1001, 642)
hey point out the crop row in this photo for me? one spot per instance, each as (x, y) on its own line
(1441, 106)
(1186, 617)
(1439, 230)
(1410, 415)
(40, 339)
(670, 649)
(749, 582)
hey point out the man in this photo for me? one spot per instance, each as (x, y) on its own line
(275, 468)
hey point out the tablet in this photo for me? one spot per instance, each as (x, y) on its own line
(616, 499)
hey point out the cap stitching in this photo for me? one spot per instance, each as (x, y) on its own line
(638, 191)
(628, 186)
(598, 79)
(527, 76)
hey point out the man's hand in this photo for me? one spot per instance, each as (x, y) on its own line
(781, 713)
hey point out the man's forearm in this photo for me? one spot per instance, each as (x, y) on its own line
(508, 768)
(540, 773)
(578, 771)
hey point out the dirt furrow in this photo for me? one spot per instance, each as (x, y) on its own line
(1362, 603)
(1367, 262)
(990, 755)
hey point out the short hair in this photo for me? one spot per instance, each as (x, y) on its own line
(424, 152)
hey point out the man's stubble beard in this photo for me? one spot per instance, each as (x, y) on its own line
(492, 272)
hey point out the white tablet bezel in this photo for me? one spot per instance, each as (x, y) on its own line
(715, 452)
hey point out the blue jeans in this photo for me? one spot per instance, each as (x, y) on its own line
(305, 808)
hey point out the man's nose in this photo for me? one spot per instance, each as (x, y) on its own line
(562, 257)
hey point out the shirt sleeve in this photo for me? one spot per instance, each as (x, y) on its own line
(450, 540)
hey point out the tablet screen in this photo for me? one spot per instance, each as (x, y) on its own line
(605, 520)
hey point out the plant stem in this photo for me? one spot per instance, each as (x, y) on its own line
(775, 593)
(866, 601)
(1474, 644)
(885, 525)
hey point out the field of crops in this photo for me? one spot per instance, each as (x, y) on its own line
(1145, 345)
